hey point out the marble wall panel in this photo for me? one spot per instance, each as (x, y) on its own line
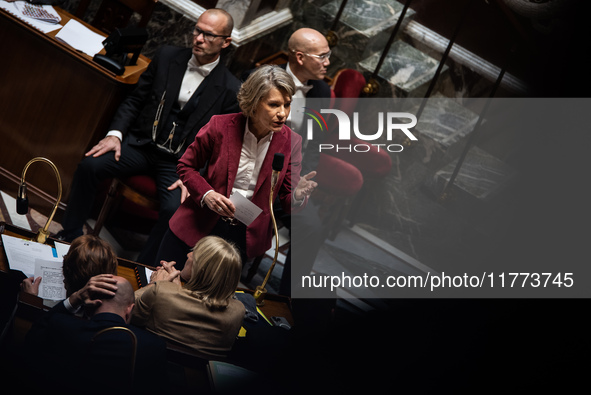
(443, 127)
(408, 70)
(482, 176)
(364, 27)
(238, 9)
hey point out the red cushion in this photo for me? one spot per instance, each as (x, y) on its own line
(337, 176)
(142, 184)
(146, 186)
(349, 83)
(374, 163)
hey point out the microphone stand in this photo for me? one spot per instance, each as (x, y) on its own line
(23, 201)
(261, 291)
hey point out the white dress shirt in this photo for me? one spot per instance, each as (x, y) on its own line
(251, 159)
(252, 156)
(194, 76)
(296, 115)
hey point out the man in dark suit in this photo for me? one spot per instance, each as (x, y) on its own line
(309, 55)
(178, 93)
(69, 353)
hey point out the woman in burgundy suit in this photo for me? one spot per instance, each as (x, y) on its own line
(233, 153)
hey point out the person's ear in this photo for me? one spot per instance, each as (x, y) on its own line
(128, 311)
(300, 58)
(227, 42)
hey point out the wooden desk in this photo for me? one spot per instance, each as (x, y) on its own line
(261, 339)
(125, 268)
(275, 305)
(54, 102)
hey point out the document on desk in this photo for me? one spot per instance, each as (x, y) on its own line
(61, 249)
(246, 211)
(52, 278)
(30, 14)
(22, 253)
(81, 38)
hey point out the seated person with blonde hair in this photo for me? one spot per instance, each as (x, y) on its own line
(202, 314)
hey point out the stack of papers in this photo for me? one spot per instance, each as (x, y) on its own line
(41, 17)
(46, 19)
(36, 259)
(81, 38)
(39, 12)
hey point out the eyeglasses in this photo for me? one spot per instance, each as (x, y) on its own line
(322, 57)
(207, 36)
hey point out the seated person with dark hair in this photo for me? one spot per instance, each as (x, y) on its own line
(88, 256)
(69, 353)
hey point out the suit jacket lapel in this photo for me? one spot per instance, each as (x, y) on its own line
(208, 96)
(233, 148)
(176, 72)
(278, 143)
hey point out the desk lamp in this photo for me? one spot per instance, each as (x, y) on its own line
(22, 201)
(261, 291)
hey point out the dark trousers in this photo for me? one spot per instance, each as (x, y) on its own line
(307, 235)
(134, 160)
(174, 249)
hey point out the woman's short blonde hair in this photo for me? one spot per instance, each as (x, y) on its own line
(215, 272)
(260, 83)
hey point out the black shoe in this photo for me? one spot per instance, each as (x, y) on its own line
(68, 236)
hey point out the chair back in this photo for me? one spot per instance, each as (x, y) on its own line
(348, 83)
(100, 335)
(116, 14)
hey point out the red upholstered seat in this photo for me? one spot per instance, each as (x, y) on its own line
(136, 195)
(146, 186)
(348, 83)
(338, 184)
(374, 163)
(337, 176)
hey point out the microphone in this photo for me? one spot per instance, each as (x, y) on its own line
(22, 201)
(261, 291)
(278, 160)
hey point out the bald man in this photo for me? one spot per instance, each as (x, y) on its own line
(309, 55)
(307, 65)
(68, 352)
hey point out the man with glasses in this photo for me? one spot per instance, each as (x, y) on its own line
(178, 94)
(309, 55)
(307, 65)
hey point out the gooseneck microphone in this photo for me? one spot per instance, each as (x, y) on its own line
(22, 202)
(278, 160)
(261, 291)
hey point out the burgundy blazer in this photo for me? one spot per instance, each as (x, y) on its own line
(219, 142)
